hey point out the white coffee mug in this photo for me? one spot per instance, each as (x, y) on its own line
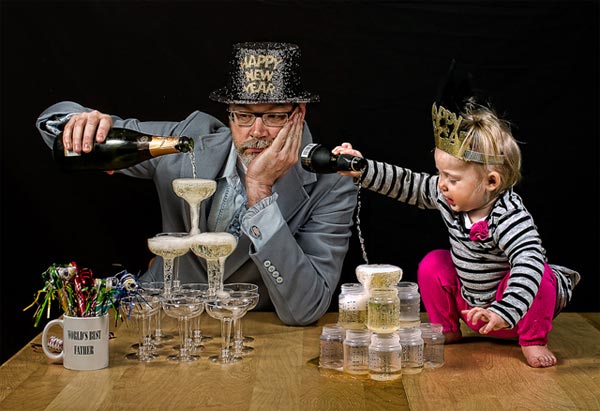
(85, 342)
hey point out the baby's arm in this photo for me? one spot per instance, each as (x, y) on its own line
(493, 320)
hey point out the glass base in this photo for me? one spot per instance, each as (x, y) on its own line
(197, 348)
(179, 358)
(154, 345)
(245, 350)
(224, 360)
(162, 337)
(136, 356)
(194, 348)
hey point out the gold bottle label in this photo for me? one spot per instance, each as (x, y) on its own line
(163, 145)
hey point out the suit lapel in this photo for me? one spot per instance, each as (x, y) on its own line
(211, 156)
(291, 193)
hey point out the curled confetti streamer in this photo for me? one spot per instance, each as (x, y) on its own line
(63, 298)
(79, 295)
(55, 344)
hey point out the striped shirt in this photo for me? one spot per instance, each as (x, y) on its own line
(513, 243)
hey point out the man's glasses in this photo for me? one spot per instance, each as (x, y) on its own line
(247, 118)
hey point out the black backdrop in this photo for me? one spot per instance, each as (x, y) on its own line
(375, 64)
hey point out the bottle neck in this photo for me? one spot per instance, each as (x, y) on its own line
(163, 145)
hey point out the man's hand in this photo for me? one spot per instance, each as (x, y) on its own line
(83, 129)
(275, 161)
(493, 320)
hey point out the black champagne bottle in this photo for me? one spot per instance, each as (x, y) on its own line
(319, 159)
(122, 148)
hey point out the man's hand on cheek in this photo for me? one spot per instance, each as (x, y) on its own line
(275, 161)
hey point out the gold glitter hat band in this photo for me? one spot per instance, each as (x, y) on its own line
(264, 73)
(447, 122)
(449, 138)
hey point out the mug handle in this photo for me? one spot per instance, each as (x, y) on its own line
(49, 354)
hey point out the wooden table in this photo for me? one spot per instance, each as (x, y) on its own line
(282, 374)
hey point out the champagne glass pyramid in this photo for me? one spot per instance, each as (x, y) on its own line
(193, 191)
(214, 248)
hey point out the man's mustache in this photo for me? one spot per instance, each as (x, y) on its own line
(255, 143)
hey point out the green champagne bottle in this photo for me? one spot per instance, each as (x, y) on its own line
(319, 159)
(122, 148)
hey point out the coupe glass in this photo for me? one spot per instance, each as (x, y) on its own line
(226, 309)
(155, 289)
(239, 337)
(183, 305)
(169, 246)
(196, 325)
(214, 248)
(194, 191)
(138, 309)
(239, 349)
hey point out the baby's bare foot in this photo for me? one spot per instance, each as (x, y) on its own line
(452, 337)
(539, 356)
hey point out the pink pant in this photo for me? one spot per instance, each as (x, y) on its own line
(440, 293)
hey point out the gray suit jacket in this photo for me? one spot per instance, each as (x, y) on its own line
(293, 248)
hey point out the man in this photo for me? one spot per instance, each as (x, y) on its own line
(293, 226)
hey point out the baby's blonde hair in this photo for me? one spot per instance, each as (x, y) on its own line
(490, 135)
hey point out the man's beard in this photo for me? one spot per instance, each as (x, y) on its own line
(247, 157)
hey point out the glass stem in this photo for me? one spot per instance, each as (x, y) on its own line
(238, 339)
(176, 283)
(214, 267)
(168, 275)
(143, 334)
(183, 332)
(226, 337)
(197, 332)
(158, 329)
(195, 217)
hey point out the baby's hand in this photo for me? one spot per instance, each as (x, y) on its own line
(493, 320)
(346, 148)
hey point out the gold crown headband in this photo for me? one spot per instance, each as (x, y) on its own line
(446, 126)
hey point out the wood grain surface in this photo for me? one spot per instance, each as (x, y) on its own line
(282, 374)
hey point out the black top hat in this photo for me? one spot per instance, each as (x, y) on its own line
(264, 73)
